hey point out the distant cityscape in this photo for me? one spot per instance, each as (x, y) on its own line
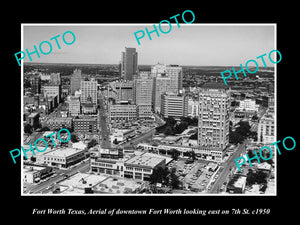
(147, 129)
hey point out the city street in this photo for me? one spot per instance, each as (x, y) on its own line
(140, 138)
(81, 167)
(228, 166)
(104, 131)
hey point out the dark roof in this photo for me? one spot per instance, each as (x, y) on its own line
(214, 85)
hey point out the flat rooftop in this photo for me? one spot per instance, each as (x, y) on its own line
(82, 180)
(145, 160)
(29, 169)
(118, 185)
(63, 152)
(240, 182)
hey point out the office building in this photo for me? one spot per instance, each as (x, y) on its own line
(35, 83)
(143, 91)
(57, 123)
(158, 70)
(175, 73)
(161, 85)
(144, 112)
(213, 120)
(143, 87)
(136, 166)
(33, 174)
(61, 158)
(266, 128)
(76, 78)
(51, 90)
(33, 120)
(108, 161)
(248, 105)
(122, 112)
(85, 125)
(55, 78)
(88, 91)
(141, 167)
(74, 106)
(121, 91)
(174, 105)
(193, 108)
(129, 63)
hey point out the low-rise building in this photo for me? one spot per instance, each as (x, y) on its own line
(33, 174)
(85, 125)
(33, 119)
(237, 184)
(141, 167)
(122, 112)
(62, 158)
(74, 106)
(59, 123)
(135, 166)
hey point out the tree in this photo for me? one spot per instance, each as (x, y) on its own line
(263, 187)
(235, 137)
(74, 138)
(192, 155)
(250, 178)
(194, 136)
(254, 117)
(174, 181)
(28, 129)
(115, 142)
(168, 131)
(174, 153)
(243, 128)
(92, 143)
(181, 127)
(261, 177)
(160, 175)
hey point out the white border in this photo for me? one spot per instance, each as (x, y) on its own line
(146, 24)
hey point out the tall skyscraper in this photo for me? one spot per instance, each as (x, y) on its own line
(75, 81)
(35, 83)
(143, 95)
(143, 91)
(175, 73)
(161, 85)
(129, 63)
(89, 91)
(213, 120)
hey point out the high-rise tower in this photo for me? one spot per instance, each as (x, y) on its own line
(213, 125)
(129, 63)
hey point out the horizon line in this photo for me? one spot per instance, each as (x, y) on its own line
(138, 65)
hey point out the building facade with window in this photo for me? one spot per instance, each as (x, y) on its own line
(213, 120)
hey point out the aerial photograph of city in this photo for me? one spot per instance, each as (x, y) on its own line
(104, 115)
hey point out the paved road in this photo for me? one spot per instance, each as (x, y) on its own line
(104, 130)
(140, 138)
(42, 186)
(230, 163)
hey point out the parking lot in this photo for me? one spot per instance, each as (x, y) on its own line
(196, 176)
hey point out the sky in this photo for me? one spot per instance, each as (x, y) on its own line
(191, 44)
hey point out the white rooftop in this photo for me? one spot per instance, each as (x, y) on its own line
(63, 152)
